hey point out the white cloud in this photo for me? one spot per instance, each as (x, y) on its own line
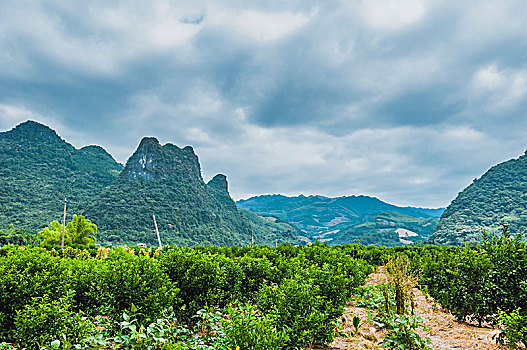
(198, 135)
(402, 99)
(488, 78)
(259, 25)
(499, 89)
(378, 162)
(392, 14)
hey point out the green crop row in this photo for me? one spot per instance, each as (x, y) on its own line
(485, 283)
(296, 293)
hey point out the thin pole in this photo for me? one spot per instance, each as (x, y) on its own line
(157, 232)
(64, 222)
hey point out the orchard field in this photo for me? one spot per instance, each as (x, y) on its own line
(252, 297)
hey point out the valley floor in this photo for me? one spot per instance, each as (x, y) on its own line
(447, 333)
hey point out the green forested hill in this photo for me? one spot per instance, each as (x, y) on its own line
(39, 168)
(165, 181)
(389, 229)
(500, 194)
(327, 219)
(271, 230)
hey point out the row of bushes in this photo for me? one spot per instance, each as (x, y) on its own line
(485, 283)
(300, 290)
(106, 287)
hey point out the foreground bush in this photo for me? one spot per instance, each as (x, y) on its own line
(44, 321)
(139, 281)
(300, 311)
(298, 294)
(485, 282)
(27, 273)
(514, 329)
(249, 329)
(197, 276)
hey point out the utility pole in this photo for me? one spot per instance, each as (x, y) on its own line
(252, 238)
(64, 222)
(157, 232)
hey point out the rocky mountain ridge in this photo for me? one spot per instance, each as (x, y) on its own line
(40, 168)
(153, 161)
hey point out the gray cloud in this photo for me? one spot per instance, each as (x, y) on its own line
(408, 100)
(424, 106)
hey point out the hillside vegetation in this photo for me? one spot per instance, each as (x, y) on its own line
(39, 169)
(359, 219)
(499, 194)
(389, 229)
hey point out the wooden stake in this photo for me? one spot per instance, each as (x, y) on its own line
(64, 223)
(157, 232)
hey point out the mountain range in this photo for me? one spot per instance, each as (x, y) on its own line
(360, 219)
(39, 169)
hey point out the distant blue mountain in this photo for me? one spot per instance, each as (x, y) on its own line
(326, 218)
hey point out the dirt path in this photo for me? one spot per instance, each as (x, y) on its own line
(447, 333)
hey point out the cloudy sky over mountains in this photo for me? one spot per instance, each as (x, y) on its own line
(406, 100)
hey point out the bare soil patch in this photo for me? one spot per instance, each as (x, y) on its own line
(446, 333)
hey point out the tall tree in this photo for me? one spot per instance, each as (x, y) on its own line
(81, 230)
(78, 231)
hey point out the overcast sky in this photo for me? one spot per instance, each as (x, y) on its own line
(406, 100)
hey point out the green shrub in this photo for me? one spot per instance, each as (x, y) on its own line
(313, 284)
(256, 273)
(229, 281)
(45, 320)
(13, 235)
(514, 329)
(379, 297)
(249, 329)
(508, 276)
(300, 311)
(400, 333)
(195, 275)
(340, 262)
(27, 273)
(89, 279)
(137, 280)
(476, 282)
(131, 335)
